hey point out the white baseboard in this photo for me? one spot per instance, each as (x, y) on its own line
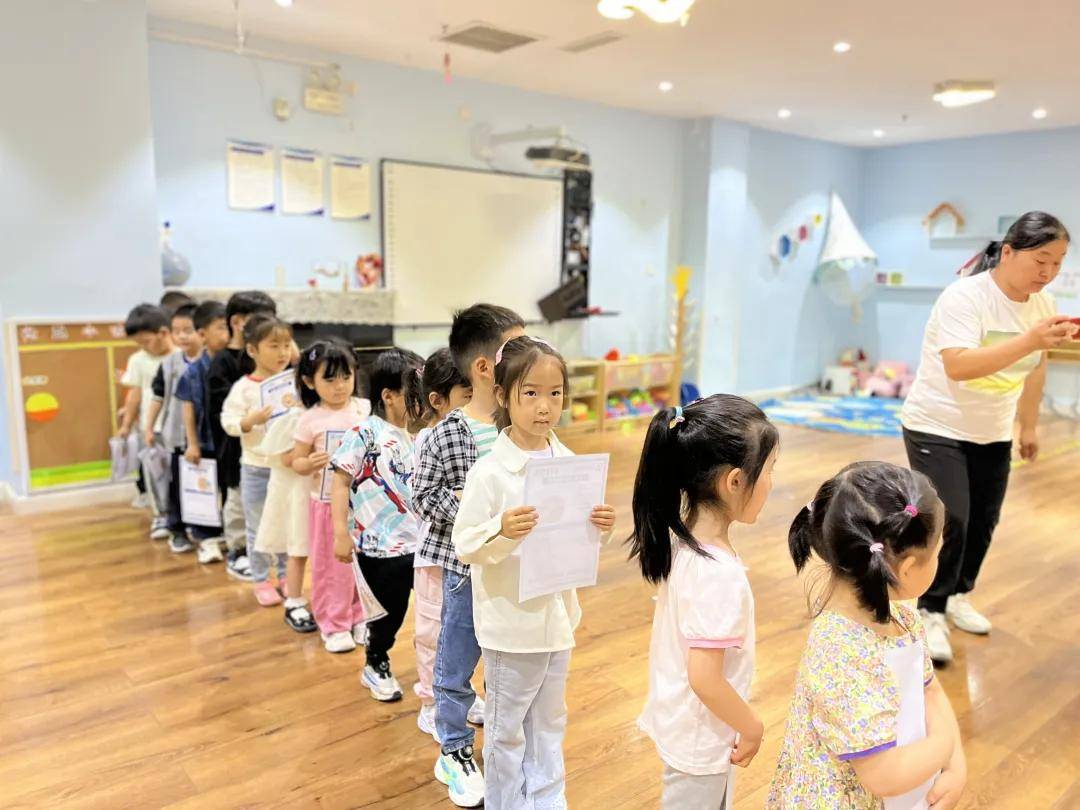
(13, 503)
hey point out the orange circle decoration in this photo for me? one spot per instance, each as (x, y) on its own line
(41, 407)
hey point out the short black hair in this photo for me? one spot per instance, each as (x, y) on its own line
(339, 359)
(207, 312)
(478, 331)
(397, 370)
(260, 326)
(145, 318)
(172, 300)
(185, 311)
(866, 504)
(249, 302)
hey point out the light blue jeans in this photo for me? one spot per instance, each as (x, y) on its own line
(253, 484)
(456, 657)
(524, 726)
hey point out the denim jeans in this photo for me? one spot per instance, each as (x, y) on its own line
(524, 726)
(253, 484)
(456, 657)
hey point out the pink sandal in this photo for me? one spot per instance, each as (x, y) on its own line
(267, 595)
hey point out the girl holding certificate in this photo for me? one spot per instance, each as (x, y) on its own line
(869, 720)
(327, 380)
(526, 645)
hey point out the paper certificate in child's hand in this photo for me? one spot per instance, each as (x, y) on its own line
(199, 493)
(333, 442)
(563, 551)
(279, 392)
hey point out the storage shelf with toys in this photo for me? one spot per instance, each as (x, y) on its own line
(636, 388)
(583, 412)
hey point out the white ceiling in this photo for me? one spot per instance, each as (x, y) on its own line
(736, 59)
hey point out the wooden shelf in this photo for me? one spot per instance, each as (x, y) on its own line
(962, 239)
(585, 394)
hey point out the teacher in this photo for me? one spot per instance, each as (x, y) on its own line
(983, 365)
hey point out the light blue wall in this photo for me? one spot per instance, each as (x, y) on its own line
(77, 212)
(984, 178)
(202, 97)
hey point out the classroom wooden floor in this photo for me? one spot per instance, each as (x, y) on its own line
(130, 677)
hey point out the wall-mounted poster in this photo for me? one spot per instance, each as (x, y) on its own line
(350, 188)
(301, 182)
(250, 176)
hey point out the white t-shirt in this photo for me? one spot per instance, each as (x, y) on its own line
(141, 369)
(973, 313)
(705, 602)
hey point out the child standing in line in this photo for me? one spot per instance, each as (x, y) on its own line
(327, 381)
(191, 395)
(703, 468)
(877, 527)
(268, 342)
(228, 366)
(443, 389)
(148, 326)
(453, 448)
(167, 422)
(526, 645)
(371, 505)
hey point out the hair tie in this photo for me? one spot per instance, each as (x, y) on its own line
(679, 418)
(877, 548)
(420, 372)
(312, 354)
(912, 510)
(499, 353)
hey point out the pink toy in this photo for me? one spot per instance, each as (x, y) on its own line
(890, 379)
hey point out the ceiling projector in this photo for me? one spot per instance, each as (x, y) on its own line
(558, 157)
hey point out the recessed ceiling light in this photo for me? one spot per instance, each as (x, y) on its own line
(783, 112)
(956, 93)
(842, 47)
(284, 3)
(665, 87)
(1039, 114)
(879, 133)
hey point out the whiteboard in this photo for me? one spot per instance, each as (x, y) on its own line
(455, 237)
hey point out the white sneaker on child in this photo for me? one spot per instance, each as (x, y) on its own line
(339, 642)
(425, 721)
(476, 712)
(210, 551)
(159, 529)
(965, 617)
(381, 682)
(937, 637)
(461, 775)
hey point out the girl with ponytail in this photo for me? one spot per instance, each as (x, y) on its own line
(877, 530)
(704, 467)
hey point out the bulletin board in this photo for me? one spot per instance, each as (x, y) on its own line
(65, 391)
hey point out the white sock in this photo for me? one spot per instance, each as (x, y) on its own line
(295, 602)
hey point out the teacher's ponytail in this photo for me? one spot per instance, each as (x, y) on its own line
(1031, 231)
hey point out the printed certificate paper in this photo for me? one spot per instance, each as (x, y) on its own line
(563, 551)
(279, 392)
(199, 493)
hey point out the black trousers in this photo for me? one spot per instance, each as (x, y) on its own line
(971, 480)
(391, 580)
(176, 522)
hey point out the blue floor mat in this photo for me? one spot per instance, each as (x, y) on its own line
(872, 416)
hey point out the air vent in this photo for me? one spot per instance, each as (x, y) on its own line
(595, 41)
(484, 37)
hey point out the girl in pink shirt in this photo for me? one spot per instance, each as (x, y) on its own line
(327, 380)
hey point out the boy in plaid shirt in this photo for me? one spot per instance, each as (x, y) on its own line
(454, 446)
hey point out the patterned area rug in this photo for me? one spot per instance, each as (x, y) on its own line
(871, 416)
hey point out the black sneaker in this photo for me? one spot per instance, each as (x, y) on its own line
(237, 566)
(299, 618)
(180, 544)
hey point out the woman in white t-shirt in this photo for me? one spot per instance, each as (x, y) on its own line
(983, 365)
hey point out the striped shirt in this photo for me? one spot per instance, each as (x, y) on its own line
(484, 434)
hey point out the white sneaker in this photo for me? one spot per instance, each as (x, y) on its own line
(359, 634)
(339, 642)
(937, 636)
(159, 529)
(381, 682)
(964, 615)
(459, 772)
(476, 712)
(210, 551)
(425, 721)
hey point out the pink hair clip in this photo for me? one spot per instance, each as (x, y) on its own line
(877, 548)
(912, 510)
(499, 353)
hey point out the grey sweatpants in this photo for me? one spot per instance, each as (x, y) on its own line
(687, 791)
